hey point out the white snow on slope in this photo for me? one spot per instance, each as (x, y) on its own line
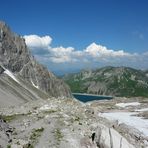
(45, 107)
(127, 104)
(34, 84)
(127, 118)
(10, 74)
(142, 110)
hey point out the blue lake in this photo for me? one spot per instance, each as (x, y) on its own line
(86, 98)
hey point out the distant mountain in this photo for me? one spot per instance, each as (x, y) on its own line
(146, 73)
(115, 81)
(21, 76)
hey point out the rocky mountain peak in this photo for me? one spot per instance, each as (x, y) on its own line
(16, 57)
(2, 26)
(13, 50)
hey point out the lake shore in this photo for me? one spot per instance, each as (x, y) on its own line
(88, 97)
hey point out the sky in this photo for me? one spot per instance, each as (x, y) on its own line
(70, 35)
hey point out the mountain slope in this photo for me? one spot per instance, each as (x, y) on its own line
(33, 78)
(15, 91)
(116, 81)
(146, 73)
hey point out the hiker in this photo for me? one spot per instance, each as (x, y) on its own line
(93, 136)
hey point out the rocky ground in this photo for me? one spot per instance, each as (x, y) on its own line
(61, 123)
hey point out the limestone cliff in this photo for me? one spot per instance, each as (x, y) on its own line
(16, 57)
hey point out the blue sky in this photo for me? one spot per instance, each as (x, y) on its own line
(116, 24)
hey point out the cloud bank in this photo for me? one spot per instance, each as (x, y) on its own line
(93, 56)
(35, 41)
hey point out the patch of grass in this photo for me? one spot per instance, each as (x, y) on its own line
(77, 118)
(29, 146)
(35, 134)
(18, 143)
(29, 113)
(9, 118)
(76, 86)
(8, 146)
(49, 111)
(58, 135)
(39, 130)
(14, 133)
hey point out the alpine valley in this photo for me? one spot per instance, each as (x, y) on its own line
(37, 109)
(113, 81)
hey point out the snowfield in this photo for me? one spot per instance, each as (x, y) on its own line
(127, 104)
(129, 119)
(142, 110)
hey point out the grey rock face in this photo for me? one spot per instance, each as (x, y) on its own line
(43, 79)
(13, 51)
(16, 57)
(1, 70)
(5, 133)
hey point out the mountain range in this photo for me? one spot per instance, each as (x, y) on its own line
(114, 81)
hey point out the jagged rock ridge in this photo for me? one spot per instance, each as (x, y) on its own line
(16, 57)
(115, 81)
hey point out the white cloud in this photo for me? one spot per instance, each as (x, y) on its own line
(92, 56)
(69, 54)
(61, 59)
(101, 51)
(37, 42)
(60, 51)
(61, 54)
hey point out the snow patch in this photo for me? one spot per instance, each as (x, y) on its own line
(142, 110)
(45, 107)
(10, 74)
(127, 118)
(34, 85)
(127, 104)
